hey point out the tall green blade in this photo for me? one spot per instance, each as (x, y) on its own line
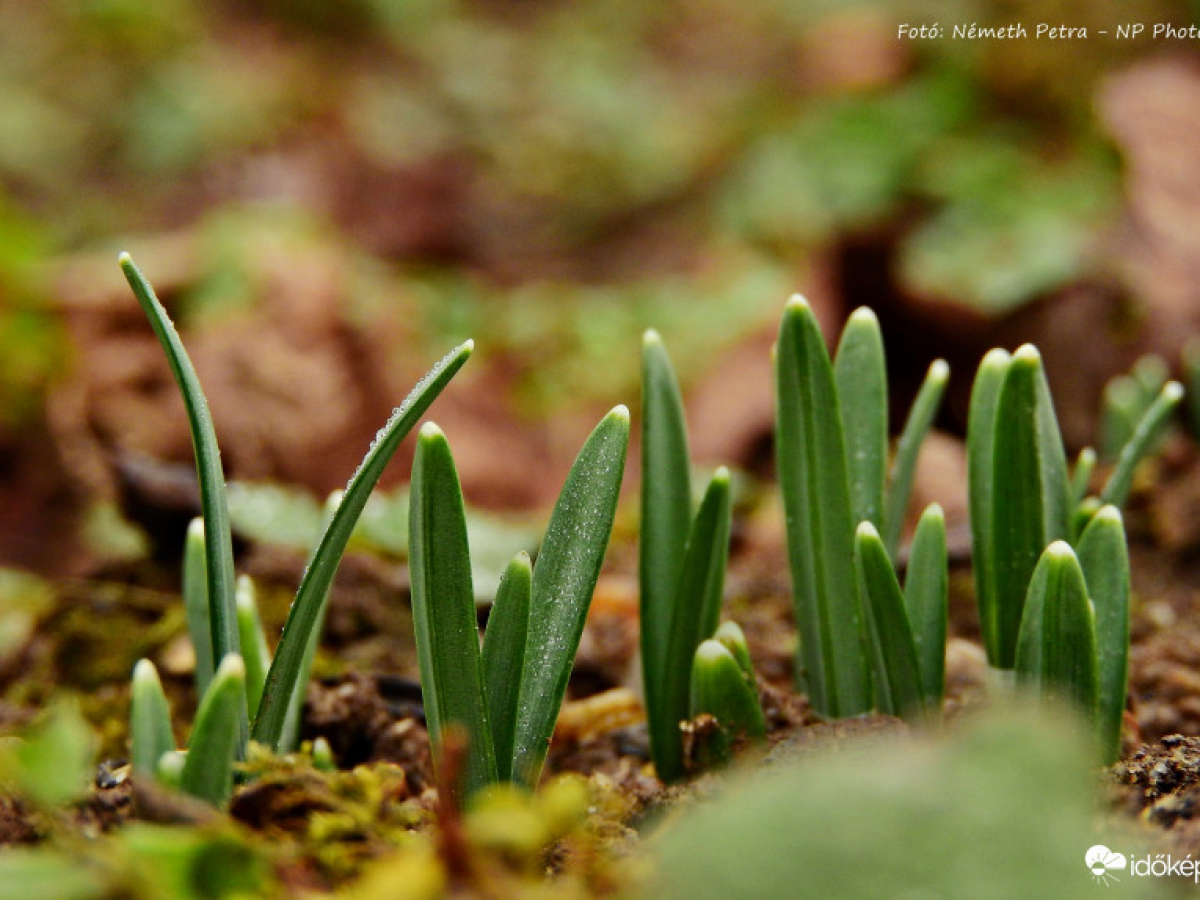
(564, 578)
(908, 449)
(926, 597)
(697, 610)
(217, 538)
(900, 690)
(1081, 477)
(314, 587)
(820, 532)
(981, 468)
(1104, 558)
(443, 605)
(195, 604)
(1029, 492)
(1056, 652)
(504, 657)
(666, 500)
(149, 719)
(216, 734)
(1149, 428)
(860, 373)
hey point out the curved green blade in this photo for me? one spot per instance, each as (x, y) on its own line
(719, 688)
(1151, 425)
(564, 577)
(314, 587)
(217, 539)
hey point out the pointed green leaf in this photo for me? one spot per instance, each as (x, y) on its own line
(666, 514)
(696, 612)
(564, 578)
(981, 468)
(1029, 492)
(926, 597)
(218, 541)
(860, 372)
(504, 657)
(820, 532)
(1104, 558)
(900, 690)
(908, 448)
(310, 599)
(255, 654)
(149, 719)
(195, 604)
(1056, 652)
(216, 732)
(1149, 428)
(443, 605)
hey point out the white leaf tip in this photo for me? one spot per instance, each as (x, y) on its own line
(867, 530)
(430, 430)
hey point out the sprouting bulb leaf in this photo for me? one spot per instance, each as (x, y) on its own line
(732, 638)
(195, 604)
(216, 732)
(719, 688)
(1056, 652)
(696, 609)
(149, 719)
(564, 578)
(908, 449)
(255, 653)
(1104, 559)
(443, 604)
(926, 597)
(811, 457)
(1149, 428)
(860, 372)
(899, 687)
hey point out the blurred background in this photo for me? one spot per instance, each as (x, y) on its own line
(329, 195)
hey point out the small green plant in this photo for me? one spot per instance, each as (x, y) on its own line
(832, 451)
(681, 564)
(724, 689)
(283, 682)
(507, 717)
(1051, 565)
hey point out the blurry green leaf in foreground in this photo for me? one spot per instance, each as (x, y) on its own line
(51, 763)
(1001, 808)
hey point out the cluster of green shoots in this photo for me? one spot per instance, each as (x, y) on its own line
(1052, 576)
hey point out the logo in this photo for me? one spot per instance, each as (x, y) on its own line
(1103, 863)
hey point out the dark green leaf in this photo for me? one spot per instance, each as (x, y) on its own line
(820, 532)
(443, 605)
(860, 372)
(564, 578)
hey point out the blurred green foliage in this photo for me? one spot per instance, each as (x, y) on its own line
(599, 161)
